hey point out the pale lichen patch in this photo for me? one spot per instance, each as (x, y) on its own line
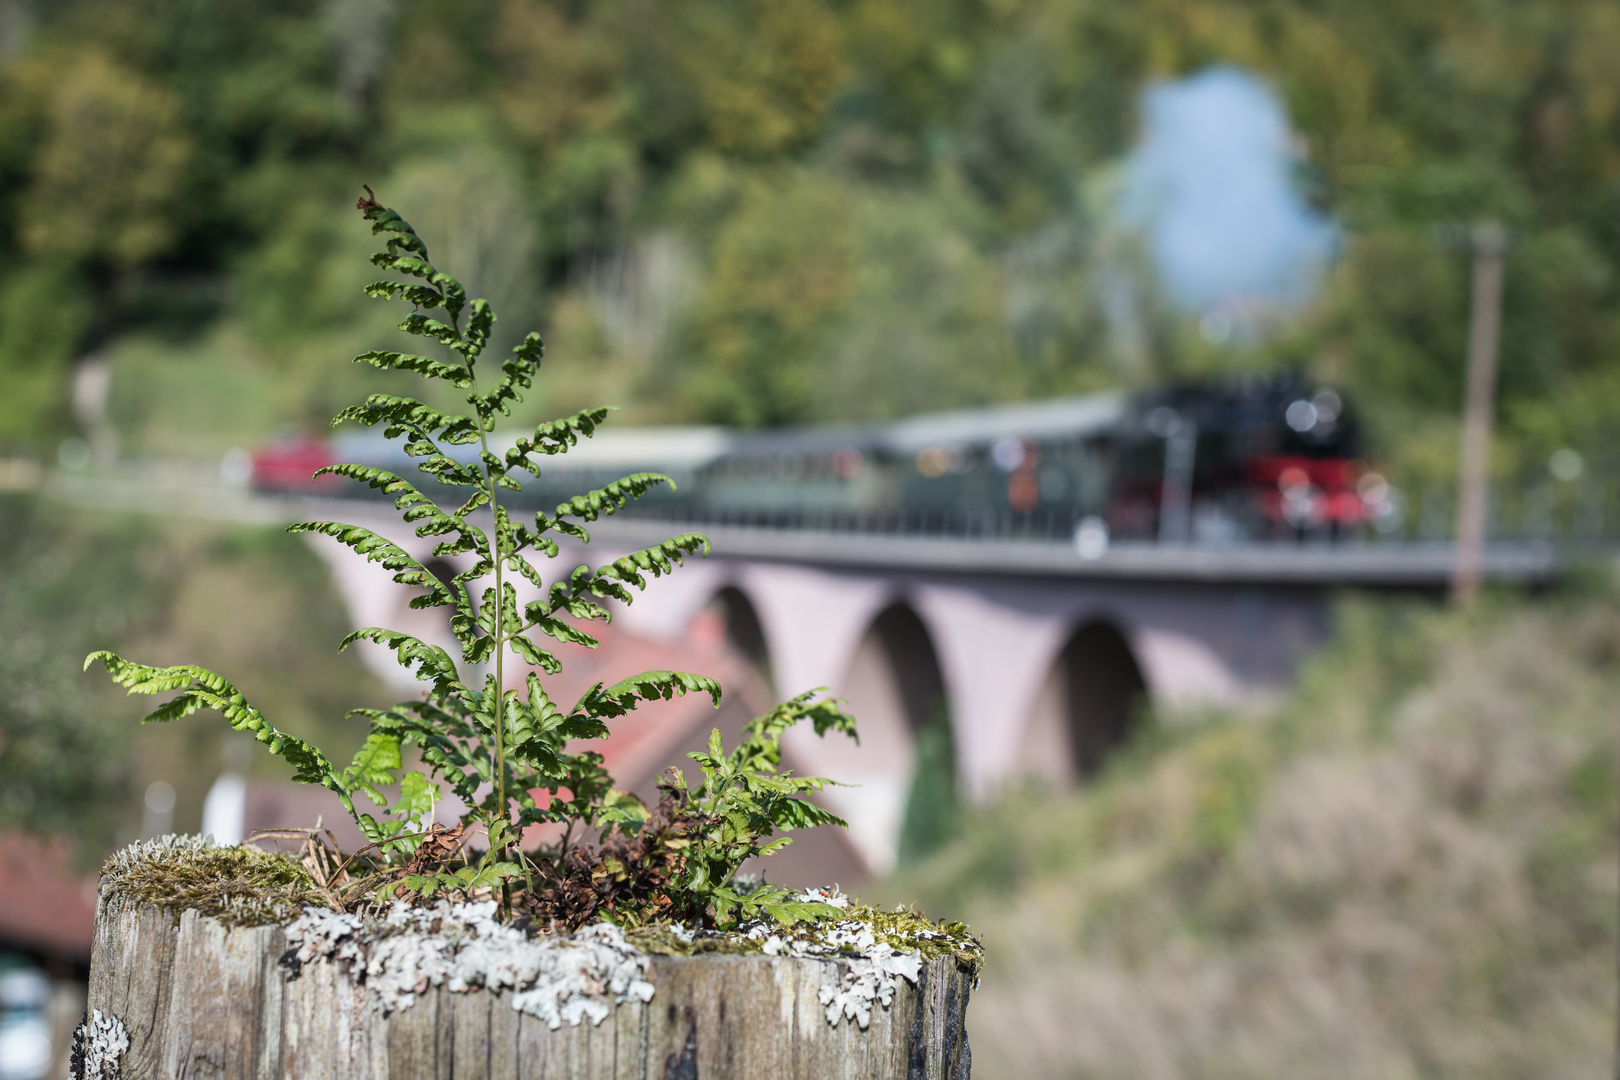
(99, 1046)
(901, 930)
(401, 951)
(561, 979)
(878, 948)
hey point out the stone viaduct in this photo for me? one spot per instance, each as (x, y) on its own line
(1038, 658)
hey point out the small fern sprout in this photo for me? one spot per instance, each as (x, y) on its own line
(511, 755)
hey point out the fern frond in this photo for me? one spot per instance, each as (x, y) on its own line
(374, 764)
(404, 239)
(200, 689)
(447, 740)
(479, 323)
(407, 416)
(445, 468)
(496, 468)
(556, 436)
(538, 657)
(377, 549)
(558, 630)
(506, 754)
(407, 497)
(527, 569)
(423, 296)
(431, 663)
(432, 329)
(479, 497)
(385, 220)
(425, 366)
(517, 374)
(826, 715)
(803, 814)
(420, 508)
(622, 696)
(533, 732)
(608, 500)
(658, 560)
(544, 523)
(608, 582)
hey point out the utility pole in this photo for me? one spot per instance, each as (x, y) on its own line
(1484, 324)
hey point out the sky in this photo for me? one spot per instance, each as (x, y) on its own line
(1212, 185)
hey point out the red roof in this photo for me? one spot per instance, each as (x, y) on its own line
(44, 905)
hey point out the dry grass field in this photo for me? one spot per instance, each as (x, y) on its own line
(1408, 868)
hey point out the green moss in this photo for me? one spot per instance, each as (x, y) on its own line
(908, 931)
(239, 886)
(661, 939)
(246, 886)
(902, 930)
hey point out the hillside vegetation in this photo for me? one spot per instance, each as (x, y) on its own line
(71, 759)
(779, 211)
(1408, 869)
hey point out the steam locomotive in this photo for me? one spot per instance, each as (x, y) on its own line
(1244, 460)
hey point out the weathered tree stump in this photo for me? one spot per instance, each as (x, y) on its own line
(199, 999)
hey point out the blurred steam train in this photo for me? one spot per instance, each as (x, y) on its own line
(1256, 459)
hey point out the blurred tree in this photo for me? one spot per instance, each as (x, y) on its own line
(924, 181)
(61, 769)
(110, 170)
(782, 274)
(765, 72)
(46, 308)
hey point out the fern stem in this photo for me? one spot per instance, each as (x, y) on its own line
(497, 622)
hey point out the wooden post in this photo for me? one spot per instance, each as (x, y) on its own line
(1489, 240)
(195, 998)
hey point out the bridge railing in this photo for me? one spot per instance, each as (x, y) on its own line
(1570, 518)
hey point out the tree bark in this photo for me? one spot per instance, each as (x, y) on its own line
(201, 1000)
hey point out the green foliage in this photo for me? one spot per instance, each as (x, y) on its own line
(781, 277)
(45, 309)
(509, 756)
(741, 801)
(104, 121)
(60, 768)
(933, 811)
(796, 210)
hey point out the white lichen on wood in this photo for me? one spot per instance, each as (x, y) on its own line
(564, 979)
(875, 967)
(168, 846)
(99, 1046)
(557, 978)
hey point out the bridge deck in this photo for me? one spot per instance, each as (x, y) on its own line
(1394, 565)
(1350, 564)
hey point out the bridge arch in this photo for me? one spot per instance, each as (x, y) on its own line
(1091, 697)
(895, 690)
(745, 634)
(895, 671)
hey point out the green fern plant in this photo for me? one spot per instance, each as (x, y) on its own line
(508, 754)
